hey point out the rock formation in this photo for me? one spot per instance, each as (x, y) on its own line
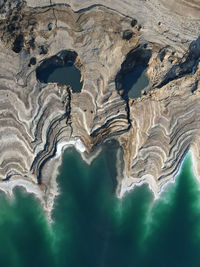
(104, 40)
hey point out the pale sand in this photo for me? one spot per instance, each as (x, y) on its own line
(76, 143)
(195, 165)
(150, 181)
(30, 187)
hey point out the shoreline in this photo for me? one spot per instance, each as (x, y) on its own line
(153, 186)
(31, 188)
(48, 205)
(54, 189)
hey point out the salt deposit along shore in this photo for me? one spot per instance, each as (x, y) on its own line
(150, 182)
(104, 41)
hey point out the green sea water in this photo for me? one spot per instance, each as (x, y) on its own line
(94, 228)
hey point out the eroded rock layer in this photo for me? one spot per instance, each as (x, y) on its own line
(165, 125)
(37, 119)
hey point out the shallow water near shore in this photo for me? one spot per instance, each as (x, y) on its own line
(94, 228)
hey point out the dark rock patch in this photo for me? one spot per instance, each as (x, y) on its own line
(43, 50)
(133, 22)
(18, 43)
(127, 35)
(31, 43)
(50, 26)
(32, 61)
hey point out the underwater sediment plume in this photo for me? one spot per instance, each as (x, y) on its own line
(95, 46)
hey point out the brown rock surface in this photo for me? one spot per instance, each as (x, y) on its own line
(37, 119)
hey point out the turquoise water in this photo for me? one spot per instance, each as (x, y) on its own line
(94, 228)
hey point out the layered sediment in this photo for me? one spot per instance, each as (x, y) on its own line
(38, 119)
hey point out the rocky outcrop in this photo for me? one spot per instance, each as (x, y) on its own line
(38, 119)
(165, 125)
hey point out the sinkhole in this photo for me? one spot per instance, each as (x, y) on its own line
(63, 69)
(131, 80)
